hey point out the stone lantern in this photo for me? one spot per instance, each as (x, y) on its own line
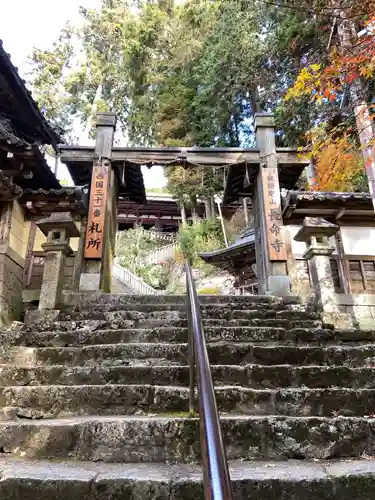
(315, 232)
(58, 228)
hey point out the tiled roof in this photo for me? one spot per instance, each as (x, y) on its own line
(293, 196)
(10, 72)
(245, 241)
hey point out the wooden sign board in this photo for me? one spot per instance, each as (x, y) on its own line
(97, 211)
(273, 214)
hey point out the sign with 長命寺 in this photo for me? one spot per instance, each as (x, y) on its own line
(95, 225)
(273, 214)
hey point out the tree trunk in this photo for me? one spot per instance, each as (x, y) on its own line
(183, 215)
(194, 214)
(347, 33)
(207, 206)
(213, 206)
(358, 90)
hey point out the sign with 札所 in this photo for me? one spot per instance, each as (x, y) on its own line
(273, 214)
(98, 200)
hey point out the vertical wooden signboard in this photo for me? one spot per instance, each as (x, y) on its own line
(94, 241)
(273, 214)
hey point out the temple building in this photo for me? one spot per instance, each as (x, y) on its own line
(24, 133)
(350, 250)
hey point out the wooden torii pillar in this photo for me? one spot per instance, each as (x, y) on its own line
(100, 236)
(270, 248)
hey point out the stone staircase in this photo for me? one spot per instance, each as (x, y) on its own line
(94, 406)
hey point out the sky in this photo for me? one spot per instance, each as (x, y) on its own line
(25, 24)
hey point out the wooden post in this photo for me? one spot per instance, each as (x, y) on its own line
(100, 237)
(272, 267)
(78, 261)
(245, 211)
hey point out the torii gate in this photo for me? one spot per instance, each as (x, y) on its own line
(253, 172)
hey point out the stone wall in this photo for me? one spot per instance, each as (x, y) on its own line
(11, 281)
(14, 233)
(356, 310)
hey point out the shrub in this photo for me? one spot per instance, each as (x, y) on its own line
(204, 236)
(208, 291)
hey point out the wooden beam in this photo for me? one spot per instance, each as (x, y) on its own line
(288, 212)
(203, 156)
(340, 213)
(25, 174)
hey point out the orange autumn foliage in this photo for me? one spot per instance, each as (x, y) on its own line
(337, 166)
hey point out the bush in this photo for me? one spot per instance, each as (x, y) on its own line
(204, 236)
(208, 291)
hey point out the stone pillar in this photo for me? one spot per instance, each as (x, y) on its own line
(58, 228)
(315, 232)
(270, 250)
(100, 241)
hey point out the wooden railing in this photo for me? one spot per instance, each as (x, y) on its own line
(135, 283)
(217, 484)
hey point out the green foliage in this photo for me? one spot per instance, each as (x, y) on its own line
(134, 244)
(161, 190)
(204, 236)
(208, 291)
(186, 74)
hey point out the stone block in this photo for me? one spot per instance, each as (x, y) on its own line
(40, 317)
(89, 282)
(278, 286)
(361, 311)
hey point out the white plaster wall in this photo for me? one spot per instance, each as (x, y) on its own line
(299, 247)
(358, 240)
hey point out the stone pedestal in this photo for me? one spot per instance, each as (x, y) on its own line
(315, 232)
(58, 228)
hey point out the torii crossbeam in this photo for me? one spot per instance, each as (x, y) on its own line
(258, 173)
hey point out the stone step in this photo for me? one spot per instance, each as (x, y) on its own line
(220, 353)
(118, 323)
(83, 300)
(121, 324)
(57, 401)
(255, 376)
(84, 335)
(178, 320)
(208, 309)
(176, 439)
(292, 479)
(228, 311)
(264, 481)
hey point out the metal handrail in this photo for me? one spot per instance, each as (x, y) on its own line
(217, 483)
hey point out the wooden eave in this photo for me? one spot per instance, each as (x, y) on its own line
(241, 178)
(31, 159)
(164, 208)
(40, 202)
(340, 208)
(17, 103)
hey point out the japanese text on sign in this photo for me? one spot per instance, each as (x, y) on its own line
(95, 224)
(271, 193)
